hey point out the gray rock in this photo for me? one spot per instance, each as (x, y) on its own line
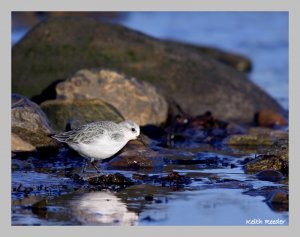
(59, 46)
(29, 122)
(61, 112)
(136, 100)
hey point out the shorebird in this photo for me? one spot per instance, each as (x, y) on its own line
(99, 140)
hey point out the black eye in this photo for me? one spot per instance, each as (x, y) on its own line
(133, 129)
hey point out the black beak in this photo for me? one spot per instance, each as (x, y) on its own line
(141, 140)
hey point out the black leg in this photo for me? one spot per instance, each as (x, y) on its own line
(94, 164)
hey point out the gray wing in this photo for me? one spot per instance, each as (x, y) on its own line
(117, 136)
(84, 134)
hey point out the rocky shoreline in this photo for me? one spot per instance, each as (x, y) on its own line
(184, 97)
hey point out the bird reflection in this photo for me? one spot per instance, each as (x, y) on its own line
(102, 208)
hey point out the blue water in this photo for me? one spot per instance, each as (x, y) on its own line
(261, 36)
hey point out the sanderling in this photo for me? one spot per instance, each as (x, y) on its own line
(100, 140)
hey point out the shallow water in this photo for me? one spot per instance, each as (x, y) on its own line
(214, 194)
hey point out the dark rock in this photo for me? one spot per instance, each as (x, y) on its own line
(60, 112)
(40, 205)
(136, 100)
(59, 46)
(176, 178)
(117, 179)
(269, 175)
(262, 191)
(149, 198)
(136, 156)
(207, 120)
(278, 200)
(30, 123)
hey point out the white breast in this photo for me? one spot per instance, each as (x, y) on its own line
(100, 149)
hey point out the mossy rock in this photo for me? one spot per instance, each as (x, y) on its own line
(249, 140)
(61, 112)
(58, 47)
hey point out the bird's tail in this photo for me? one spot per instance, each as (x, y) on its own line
(62, 137)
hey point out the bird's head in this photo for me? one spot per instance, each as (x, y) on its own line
(131, 129)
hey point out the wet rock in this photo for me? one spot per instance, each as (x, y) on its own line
(19, 145)
(179, 71)
(280, 149)
(270, 175)
(136, 156)
(269, 118)
(175, 180)
(30, 123)
(278, 197)
(40, 205)
(278, 200)
(265, 162)
(206, 120)
(149, 198)
(40, 208)
(60, 112)
(249, 140)
(136, 100)
(206, 162)
(117, 179)
(262, 191)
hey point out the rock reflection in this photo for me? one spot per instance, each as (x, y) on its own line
(102, 208)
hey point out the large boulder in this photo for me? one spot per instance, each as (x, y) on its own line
(58, 47)
(62, 112)
(136, 100)
(30, 124)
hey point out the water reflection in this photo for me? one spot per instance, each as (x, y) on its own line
(210, 207)
(102, 208)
